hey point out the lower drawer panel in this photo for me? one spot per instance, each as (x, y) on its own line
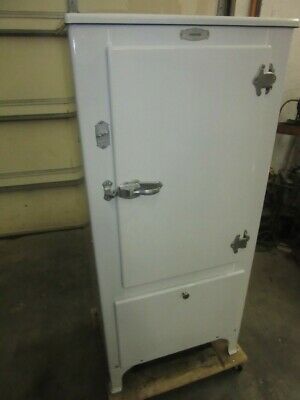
(175, 319)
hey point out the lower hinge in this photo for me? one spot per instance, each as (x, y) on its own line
(240, 242)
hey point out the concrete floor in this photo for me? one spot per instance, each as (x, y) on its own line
(49, 349)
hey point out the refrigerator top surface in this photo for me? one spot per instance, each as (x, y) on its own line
(161, 19)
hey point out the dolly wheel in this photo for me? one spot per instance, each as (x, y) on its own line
(238, 368)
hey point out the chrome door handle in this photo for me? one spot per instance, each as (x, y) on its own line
(131, 190)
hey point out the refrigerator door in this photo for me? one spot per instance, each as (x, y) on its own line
(189, 117)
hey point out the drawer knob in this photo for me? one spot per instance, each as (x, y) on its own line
(185, 295)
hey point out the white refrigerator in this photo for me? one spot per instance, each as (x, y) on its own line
(177, 119)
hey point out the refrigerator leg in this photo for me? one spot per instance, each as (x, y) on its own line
(232, 346)
(116, 381)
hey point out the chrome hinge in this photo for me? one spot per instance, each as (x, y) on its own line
(264, 80)
(109, 192)
(102, 134)
(240, 243)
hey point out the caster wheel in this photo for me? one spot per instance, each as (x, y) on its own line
(239, 368)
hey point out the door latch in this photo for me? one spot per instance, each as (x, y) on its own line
(102, 134)
(130, 190)
(240, 243)
(264, 80)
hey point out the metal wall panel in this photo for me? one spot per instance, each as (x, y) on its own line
(38, 132)
(143, 6)
(25, 211)
(39, 147)
(35, 76)
(36, 152)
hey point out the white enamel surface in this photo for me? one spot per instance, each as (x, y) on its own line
(187, 319)
(185, 113)
(79, 18)
(181, 125)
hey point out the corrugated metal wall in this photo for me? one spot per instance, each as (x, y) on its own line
(41, 177)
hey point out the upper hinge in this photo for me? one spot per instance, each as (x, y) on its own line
(264, 80)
